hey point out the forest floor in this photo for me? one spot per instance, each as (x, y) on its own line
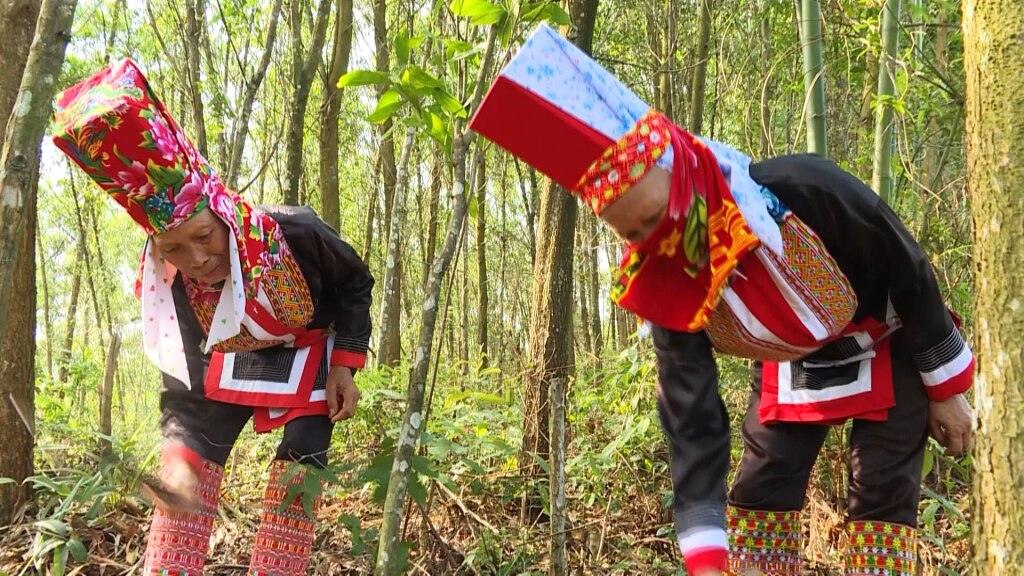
(464, 535)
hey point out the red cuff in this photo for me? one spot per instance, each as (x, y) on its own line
(177, 450)
(707, 559)
(348, 359)
(956, 385)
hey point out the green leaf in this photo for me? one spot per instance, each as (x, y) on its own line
(418, 78)
(417, 490)
(78, 551)
(479, 12)
(363, 78)
(353, 524)
(929, 463)
(438, 130)
(458, 49)
(402, 47)
(54, 527)
(389, 102)
(60, 560)
(544, 465)
(448, 103)
(547, 11)
(5, 480)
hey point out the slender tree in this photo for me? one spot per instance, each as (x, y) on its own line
(881, 175)
(814, 76)
(695, 123)
(304, 66)
(413, 420)
(330, 111)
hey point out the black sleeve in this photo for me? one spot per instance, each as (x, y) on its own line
(696, 426)
(347, 281)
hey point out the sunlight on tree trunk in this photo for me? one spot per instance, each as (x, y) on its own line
(193, 63)
(19, 176)
(330, 112)
(994, 67)
(700, 70)
(881, 175)
(814, 76)
(481, 261)
(305, 65)
(390, 337)
(107, 394)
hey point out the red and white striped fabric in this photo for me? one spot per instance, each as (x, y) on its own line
(705, 547)
(783, 307)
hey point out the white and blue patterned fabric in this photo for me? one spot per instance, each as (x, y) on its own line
(553, 68)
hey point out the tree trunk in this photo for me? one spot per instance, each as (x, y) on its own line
(766, 92)
(252, 86)
(388, 174)
(371, 214)
(329, 113)
(881, 175)
(390, 338)
(89, 274)
(551, 312)
(413, 421)
(304, 69)
(194, 64)
(107, 394)
(814, 71)
(64, 361)
(433, 209)
(556, 490)
(27, 105)
(700, 70)
(994, 66)
(47, 319)
(593, 236)
(481, 260)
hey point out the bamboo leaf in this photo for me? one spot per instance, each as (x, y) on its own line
(363, 78)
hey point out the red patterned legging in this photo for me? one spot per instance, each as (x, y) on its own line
(285, 538)
(178, 541)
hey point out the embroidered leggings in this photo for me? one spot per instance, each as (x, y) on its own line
(885, 457)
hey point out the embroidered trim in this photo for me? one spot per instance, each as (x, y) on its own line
(290, 301)
(625, 162)
(881, 548)
(768, 541)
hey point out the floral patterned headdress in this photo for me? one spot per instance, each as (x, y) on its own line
(116, 129)
(568, 117)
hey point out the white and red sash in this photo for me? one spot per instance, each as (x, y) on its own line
(829, 391)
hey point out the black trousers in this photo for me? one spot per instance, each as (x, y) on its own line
(885, 457)
(210, 428)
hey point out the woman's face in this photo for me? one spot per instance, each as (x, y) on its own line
(198, 247)
(637, 213)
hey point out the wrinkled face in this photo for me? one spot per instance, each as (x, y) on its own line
(198, 247)
(635, 215)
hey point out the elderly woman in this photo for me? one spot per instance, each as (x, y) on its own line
(249, 312)
(791, 262)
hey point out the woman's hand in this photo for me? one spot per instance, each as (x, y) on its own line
(950, 423)
(342, 394)
(175, 489)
